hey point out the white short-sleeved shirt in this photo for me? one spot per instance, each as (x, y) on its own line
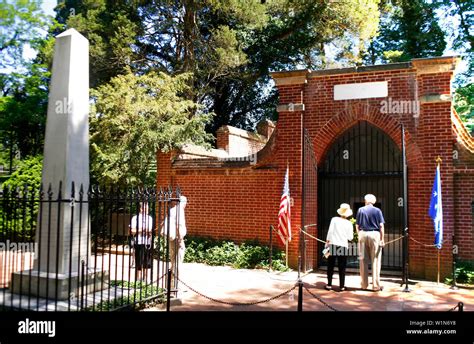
(144, 226)
(340, 232)
(180, 225)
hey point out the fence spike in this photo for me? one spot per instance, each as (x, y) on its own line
(50, 191)
(60, 196)
(73, 190)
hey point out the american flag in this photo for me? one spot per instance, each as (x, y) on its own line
(284, 215)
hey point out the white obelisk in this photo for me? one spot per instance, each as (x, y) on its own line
(62, 233)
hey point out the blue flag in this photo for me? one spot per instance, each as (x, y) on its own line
(436, 209)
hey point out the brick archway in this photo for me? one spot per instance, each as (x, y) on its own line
(345, 119)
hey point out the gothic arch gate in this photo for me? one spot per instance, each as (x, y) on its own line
(364, 159)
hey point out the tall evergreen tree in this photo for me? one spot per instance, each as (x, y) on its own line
(228, 46)
(408, 29)
(23, 82)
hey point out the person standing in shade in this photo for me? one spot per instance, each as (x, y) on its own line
(177, 232)
(141, 227)
(370, 230)
(339, 234)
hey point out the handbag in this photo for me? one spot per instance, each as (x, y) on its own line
(326, 252)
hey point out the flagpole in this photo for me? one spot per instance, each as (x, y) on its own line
(287, 239)
(439, 259)
(438, 161)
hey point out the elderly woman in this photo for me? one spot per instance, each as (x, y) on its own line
(337, 241)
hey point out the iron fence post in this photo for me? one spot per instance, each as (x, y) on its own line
(83, 266)
(461, 306)
(168, 291)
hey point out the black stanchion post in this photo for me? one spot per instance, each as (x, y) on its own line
(299, 253)
(300, 295)
(300, 282)
(405, 258)
(271, 249)
(168, 291)
(461, 306)
(454, 249)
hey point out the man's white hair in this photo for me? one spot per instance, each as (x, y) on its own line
(369, 198)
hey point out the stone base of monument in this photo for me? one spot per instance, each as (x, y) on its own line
(58, 286)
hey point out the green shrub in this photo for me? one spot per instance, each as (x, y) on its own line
(464, 273)
(141, 291)
(28, 173)
(248, 255)
(19, 210)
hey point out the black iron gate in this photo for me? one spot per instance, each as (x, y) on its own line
(309, 206)
(364, 160)
(118, 247)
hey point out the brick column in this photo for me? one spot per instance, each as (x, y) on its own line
(435, 138)
(290, 145)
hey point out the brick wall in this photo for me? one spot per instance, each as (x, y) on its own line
(241, 202)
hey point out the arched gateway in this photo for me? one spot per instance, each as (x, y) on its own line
(363, 159)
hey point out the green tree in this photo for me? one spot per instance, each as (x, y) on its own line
(134, 117)
(464, 104)
(24, 80)
(28, 174)
(113, 29)
(461, 34)
(21, 22)
(408, 29)
(228, 46)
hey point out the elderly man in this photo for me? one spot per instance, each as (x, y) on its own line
(370, 230)
(177, 232)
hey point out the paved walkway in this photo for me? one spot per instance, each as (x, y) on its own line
(246, 286)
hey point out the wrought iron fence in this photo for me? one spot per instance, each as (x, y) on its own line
(94, 250)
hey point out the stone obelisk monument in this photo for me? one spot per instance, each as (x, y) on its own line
(62, 233)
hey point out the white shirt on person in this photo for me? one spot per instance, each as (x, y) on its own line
(340, 232)
(173, 225)
(143, 224)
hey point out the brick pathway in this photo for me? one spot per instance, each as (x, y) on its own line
(240, 285)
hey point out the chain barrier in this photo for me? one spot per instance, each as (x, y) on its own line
(322, 241)
(319, 299)
(458, 307)
(392, 241)
(312, 237)
(238, 303)
(420, 243)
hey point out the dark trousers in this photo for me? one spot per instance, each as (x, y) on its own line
(341, 264)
